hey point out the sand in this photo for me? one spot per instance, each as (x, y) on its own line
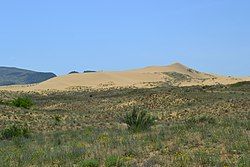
(175, 74)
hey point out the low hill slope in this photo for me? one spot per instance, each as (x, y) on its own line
(16, 76)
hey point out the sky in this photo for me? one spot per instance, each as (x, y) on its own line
(64, 35)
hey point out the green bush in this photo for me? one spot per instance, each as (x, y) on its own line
(1, 102)
(90, 163)
(114, 161)
(15, 131)
(139, 120)
(57, 119)
(23, 102)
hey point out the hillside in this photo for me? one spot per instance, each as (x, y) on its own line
(174, 75)
(16, 76)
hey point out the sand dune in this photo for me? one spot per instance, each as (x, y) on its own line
(175, 74)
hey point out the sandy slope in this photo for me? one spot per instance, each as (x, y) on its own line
(175, 74)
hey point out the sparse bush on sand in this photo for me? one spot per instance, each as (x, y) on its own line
(139, 120)
(15, 131)
(23, 102)
(57, 119)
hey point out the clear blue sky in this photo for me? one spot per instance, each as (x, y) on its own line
(64, 35)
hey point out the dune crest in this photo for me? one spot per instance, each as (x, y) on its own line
(175, 74)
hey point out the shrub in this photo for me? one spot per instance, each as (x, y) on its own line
(23, 102)
(57, 119)
(1, 102)
(139, 120)
(114, 161)
(90, 163)
(15, 131)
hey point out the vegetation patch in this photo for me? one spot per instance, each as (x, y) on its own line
(178, 76)
(90, 163)
(201, 119)
(239, 84)
(15, 131)
(57, 119)
(23, 102)
(139, 120)
(92, 128)
(114, 161)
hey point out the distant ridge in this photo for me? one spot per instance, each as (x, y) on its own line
(17, 76)
(175, 74)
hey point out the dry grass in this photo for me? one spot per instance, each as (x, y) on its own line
(196, 126)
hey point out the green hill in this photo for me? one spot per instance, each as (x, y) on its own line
(14, 76)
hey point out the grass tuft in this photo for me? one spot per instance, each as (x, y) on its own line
(114, 161)
(15, 131)
(90, 163)
(139, 120)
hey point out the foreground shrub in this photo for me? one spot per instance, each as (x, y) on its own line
(23, 102)
(114, 161)
(57, 119)
(139, 120)
(15, 131)
(1, 102)
(90, 163)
